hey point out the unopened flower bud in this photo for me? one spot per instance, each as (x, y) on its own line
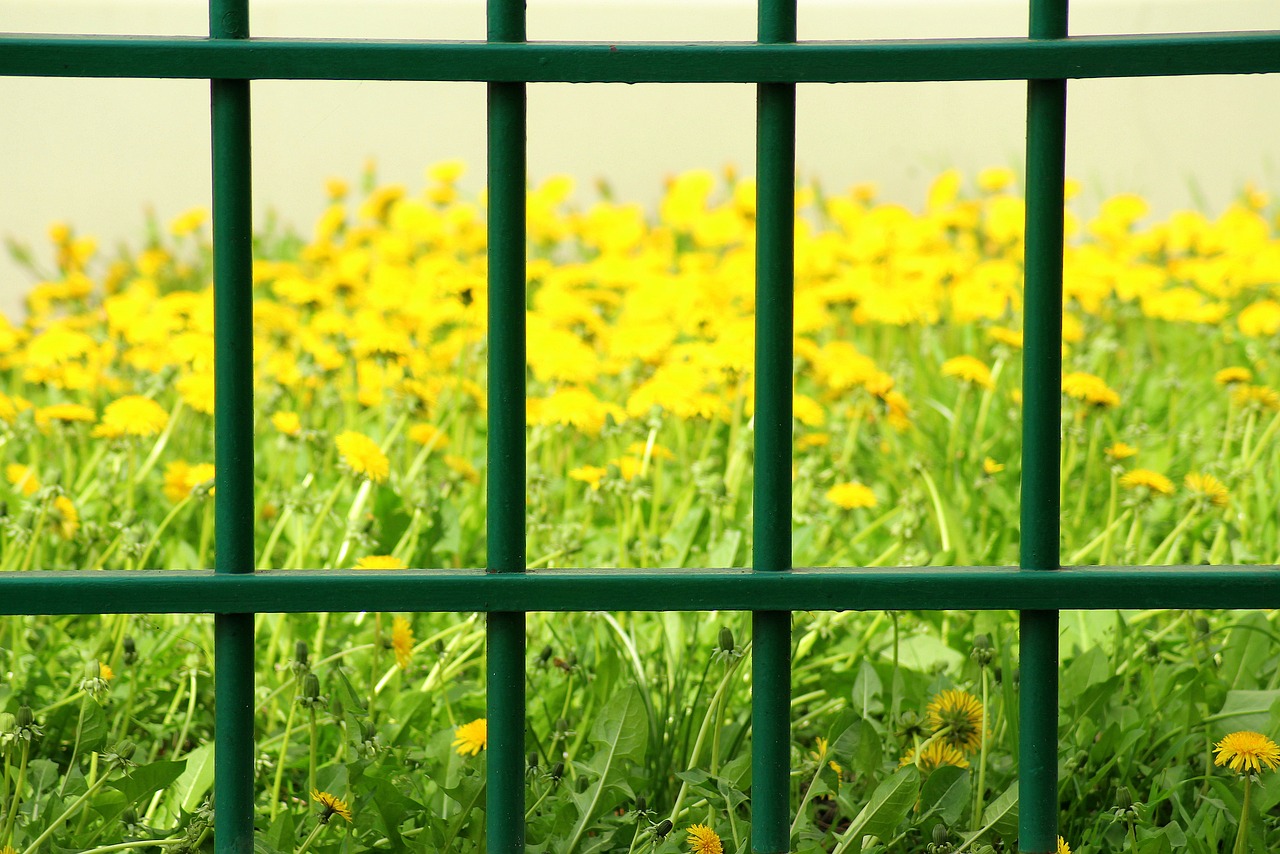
(300, 652)
(726, 639)
(940, 834)
(558, 771)
(532, 760)
(25, 717)
(126, 749)
(662, 828)
(1124, 799)
(311, 687)
(130, 650)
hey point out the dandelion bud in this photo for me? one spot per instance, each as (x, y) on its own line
(562, 727)
(130, 650)
(25, 717)
(1124, 799)
(300, 652)
(726, 639)
(532, 760)
(545, 655)
(662, 828)
(1202, 625)
(641, 804)
(92, 670)
(311, 687)
(982, 651)
(558, 771)
(126, 749)
(940, 834)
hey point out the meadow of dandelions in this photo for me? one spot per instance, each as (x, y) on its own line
(369, 354)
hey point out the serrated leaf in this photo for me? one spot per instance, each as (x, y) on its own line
(889, 805)
(145, 780)
(944, 796)
(620, 733)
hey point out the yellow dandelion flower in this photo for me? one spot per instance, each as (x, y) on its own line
(934, 755)
(589, 474)
(1153, 481)
(1261, 396)
(1121, 451)
(331, 805)
(703, 840)
(133, 415)
(471, 738)
(381, 562)
(287, 423)
(1008, 337)
(1091, 389)
(428, 434)
(22, 478)
(1261, 319)
(961, 715)
(105, 672)
(851, 495)
(181, 479)
(657, 452)
(66, 519)
(402, 641)
(1208, 487)
(462, 467)
(188, 222)
(64, 413)
(1246, 751)
(363, 456)
(990, 466)
(336, 188)
(1233, 375)
(196, 391)
(968, 369)
(1063, 847)
(813, 440)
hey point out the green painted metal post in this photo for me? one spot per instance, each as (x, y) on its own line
(506, 470)
(233, 436)
(1042, 414)
(771, 496)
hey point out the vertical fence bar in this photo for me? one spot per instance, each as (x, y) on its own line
(1041, 427)
(506, 470)
(771, 497)
(233, 436)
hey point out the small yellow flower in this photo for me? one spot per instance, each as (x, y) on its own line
(1153, 481)
(133, 415)
(331, 805)
(105, 672)
(936, 753)
(363, 456)
(1233, 375)
(961, 714)
(381, 562)
(990, 466)
(1121, 451)
(336, 188)
(968, 369)
(64, 413)
(188, 222)
(1208, 487)
(469, 739)
(428, 434)
(22, 478)
(402, 641)
(851, 495)
(1261, 396)
(66, 519)
(1063, 847)
(287, 423)
(703, 840)
(1008, 337)
(1090, 389)
(182, 478)
(589, 474)
(813, 440)
(657, 452)
(1246, 751)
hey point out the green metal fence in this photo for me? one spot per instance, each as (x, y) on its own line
(1039, 587)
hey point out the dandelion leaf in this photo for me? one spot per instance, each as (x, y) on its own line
(943, 797)
(1248, 645)
(145, 780)
(888, 806)
(620, 735)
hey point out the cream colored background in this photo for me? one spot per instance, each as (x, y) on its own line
(98, 153)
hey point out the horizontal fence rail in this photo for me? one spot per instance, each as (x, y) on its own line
(445, 590)
(640, 62)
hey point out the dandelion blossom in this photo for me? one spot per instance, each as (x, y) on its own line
(1089, 389)
(990, 466)
(22, 478)
(1063, 847)
(968, 369)
(935, 754)
(66, 519)
(1208, 487)
(961, 715)
(287, 423)
(1233, 375)
(1121, 451)
(64, 413)
(851, 495)
(402, 641)
(1153, 481)
(703, 840)
(331, 805)
(470, 739)
(1260, 396)
(589, 474)
(363, 456)
(1246, 751)
(133, 415)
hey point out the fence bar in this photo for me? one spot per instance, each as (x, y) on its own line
(1042, 415)
(505, 699)
(637, 62)
(771, 494)
(233, 437)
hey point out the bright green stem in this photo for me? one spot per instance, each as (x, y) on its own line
(315, 738)
(979, 795)
(1242, 835)
(160, 529)
(284, 753)
(311, 837)
(16, 800)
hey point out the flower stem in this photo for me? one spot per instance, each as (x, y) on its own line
(1242, 835)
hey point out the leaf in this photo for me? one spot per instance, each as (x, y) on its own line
(1001, 815)
(281, 835)
(944, 796)
(145, 780)
(889, 805)
(867, 689)
(195, 781)
(1245, 710)
(94, 728)
(620, 733)
(1247, 646)
(723, 553)
(680, 538)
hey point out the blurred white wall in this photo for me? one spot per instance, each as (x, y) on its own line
(98, 153)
